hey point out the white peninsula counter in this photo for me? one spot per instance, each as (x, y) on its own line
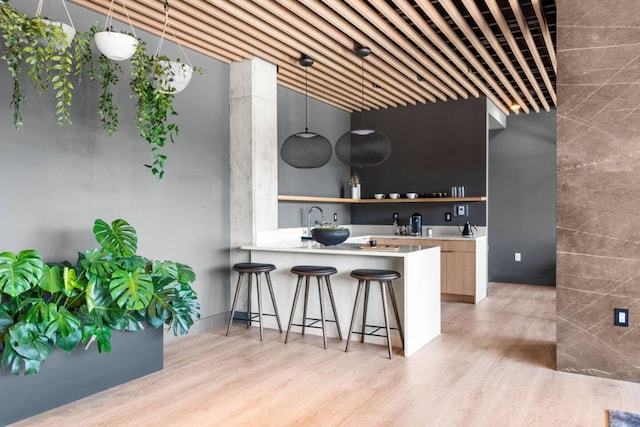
(417, 291)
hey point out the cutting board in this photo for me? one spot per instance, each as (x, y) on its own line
(380, 247)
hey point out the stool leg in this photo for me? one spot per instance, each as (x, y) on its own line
(235, 302)
(395, 309)
(293, 308)
(386, 317)
(355, 312)
(259, 292)
(364, 310)
(306, 301)
(322, 318)
(249, 300)
(333, 306)
(273, 300)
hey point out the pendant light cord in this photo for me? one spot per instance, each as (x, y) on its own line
(362, 95)
(306, 102)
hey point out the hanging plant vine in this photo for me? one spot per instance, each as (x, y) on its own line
(154, 107)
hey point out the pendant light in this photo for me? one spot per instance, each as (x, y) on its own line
(306, 150)
(363, 147)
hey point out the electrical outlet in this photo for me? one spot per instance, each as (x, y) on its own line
(459, 210)
(447, 216)
(621, 317)
(517, 257)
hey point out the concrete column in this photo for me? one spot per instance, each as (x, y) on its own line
(253, 134)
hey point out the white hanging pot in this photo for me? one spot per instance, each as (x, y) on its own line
(69, 32)
(176, 76)
(116, 46)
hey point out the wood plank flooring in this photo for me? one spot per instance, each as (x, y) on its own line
(493, 365)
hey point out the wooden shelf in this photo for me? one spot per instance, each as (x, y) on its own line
(401, 200)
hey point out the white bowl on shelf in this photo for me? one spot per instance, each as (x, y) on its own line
(412, 195)
(379, 196)
(394, 195)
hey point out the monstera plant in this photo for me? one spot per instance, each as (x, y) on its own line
(45, 305)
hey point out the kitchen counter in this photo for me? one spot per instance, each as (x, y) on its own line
(417, 291)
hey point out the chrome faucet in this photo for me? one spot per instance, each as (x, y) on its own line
(309, 218)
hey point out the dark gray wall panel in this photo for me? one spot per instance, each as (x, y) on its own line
(522, 200)
(434, 147)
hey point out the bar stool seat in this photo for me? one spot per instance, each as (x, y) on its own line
(385, 278)
(254, 269)
(319, 272)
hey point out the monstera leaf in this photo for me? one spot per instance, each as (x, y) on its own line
(64, 328)
(25, 344)
(119, 239)
(52, 280)
(132, 290)
(20, 273)
(174, 304)
(97, 265)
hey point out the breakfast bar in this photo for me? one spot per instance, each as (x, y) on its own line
(417, 291)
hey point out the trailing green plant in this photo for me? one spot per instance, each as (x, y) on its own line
(44, 48)
(154, 106)
(49, 305)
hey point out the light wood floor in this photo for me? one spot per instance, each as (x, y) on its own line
(493, 365)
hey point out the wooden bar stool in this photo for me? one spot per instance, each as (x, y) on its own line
(385, 277)
(319, 272)
(254, 269)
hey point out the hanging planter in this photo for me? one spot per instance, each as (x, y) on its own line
(175, 76)
(68, 31)
(116, 46)
(170, 76)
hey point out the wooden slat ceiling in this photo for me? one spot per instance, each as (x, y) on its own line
(422, 50)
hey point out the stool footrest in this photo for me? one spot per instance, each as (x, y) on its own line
(253, 316)
(375, 331)
(313, 323)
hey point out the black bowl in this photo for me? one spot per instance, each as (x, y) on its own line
(330, 236)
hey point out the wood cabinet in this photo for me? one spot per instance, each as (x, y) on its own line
(463, 266)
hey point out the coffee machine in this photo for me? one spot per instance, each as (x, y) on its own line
(415, 221)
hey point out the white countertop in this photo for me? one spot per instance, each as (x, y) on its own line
(347, 248)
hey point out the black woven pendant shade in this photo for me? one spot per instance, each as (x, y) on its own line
(306, 150)
(363, 147)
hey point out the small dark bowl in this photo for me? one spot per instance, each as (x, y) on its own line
(330, 236)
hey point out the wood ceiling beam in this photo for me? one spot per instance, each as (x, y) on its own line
(476, 14)
(451, 35)
(441, 44)
(517, 11)
(384, 44)
(422, 65)
(378, 59)
(449, 73)
(457, 17)
(515, 49)
(546, 35)
(298, 40)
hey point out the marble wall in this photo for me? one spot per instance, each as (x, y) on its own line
(598, 187)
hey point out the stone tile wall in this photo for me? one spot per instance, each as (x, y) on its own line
(598, 187)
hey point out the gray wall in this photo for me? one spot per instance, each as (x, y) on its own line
(522, 183)
(434, 147)
(57, 181)
(326, 181)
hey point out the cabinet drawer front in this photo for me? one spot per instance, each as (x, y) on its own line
(452, 245)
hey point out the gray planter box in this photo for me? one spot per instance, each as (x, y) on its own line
(67, 377)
